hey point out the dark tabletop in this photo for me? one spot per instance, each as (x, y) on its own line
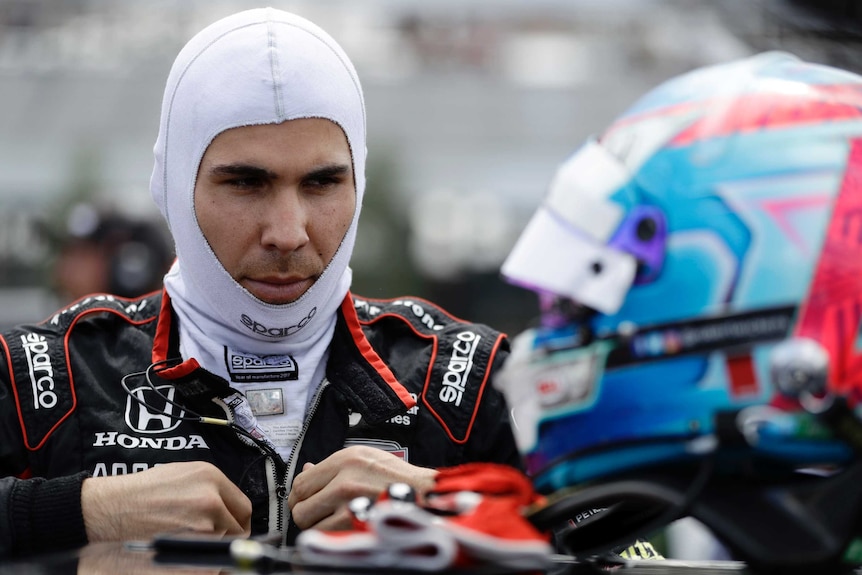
(141, 559)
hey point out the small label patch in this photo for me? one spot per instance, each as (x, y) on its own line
(282, 434)
(246, 367)
(265, 401)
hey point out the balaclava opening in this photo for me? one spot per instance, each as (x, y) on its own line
(261, 66)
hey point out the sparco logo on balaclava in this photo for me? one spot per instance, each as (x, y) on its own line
(278, 331)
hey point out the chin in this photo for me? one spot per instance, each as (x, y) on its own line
(275, 300)
(274, 296)
(280, 301)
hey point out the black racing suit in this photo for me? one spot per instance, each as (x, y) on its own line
(65, 415)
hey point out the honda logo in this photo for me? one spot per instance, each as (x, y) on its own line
(159, 415)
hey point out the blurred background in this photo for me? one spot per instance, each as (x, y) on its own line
(471, 106)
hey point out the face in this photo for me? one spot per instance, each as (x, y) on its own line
(81, 269)
(274, 202)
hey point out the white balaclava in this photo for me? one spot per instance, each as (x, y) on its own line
(261, 66)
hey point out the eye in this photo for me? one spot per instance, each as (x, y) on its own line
(326, 178)
(245, 182)
(323, 181)
(240, 177)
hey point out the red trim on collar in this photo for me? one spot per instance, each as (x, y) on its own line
(364, 347)
(161, 343)
(163, 329)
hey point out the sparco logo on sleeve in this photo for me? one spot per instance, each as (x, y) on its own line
(459, 367)
(41, 371)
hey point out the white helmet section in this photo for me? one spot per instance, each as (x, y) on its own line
(261, 66)
(563, 249)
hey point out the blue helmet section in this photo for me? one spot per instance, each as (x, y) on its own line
(743, 163)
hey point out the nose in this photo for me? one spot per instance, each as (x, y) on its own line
(284, 221)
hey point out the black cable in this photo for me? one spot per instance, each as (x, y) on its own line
(196, 417)
(650, 506)
(193, 416)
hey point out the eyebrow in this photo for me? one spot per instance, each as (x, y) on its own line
(250, 171)
(243, 170)
(329, 171)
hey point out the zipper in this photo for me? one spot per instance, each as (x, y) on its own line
(277, 494)
(281, 490)
(276, 470)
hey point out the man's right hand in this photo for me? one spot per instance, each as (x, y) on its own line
(183, 496)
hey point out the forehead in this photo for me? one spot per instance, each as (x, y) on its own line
(301, 140)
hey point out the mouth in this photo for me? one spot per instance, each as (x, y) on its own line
(277, 290)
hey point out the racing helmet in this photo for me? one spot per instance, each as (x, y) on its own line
(699, 269)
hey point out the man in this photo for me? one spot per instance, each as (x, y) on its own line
(102, 251)
(255, 394)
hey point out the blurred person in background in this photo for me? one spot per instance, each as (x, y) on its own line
(255, 394)
(105, 252)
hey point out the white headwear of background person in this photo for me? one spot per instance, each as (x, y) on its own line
(261, 66)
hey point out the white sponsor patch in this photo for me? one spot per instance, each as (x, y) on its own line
(249, 368)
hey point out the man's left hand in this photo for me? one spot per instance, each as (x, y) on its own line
(321, 491)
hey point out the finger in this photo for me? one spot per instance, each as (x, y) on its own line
(305, 515)
(340, 520)
(239, 507)
(209, 513)
(311, 511)
(227, 524)
(333, 498)
(232, 512)
(310, 481)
